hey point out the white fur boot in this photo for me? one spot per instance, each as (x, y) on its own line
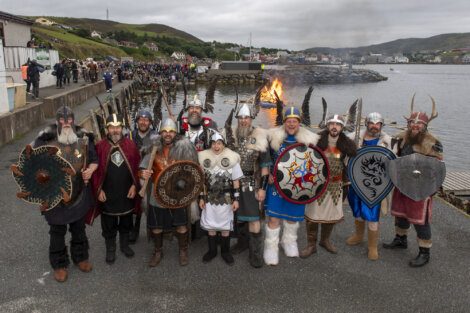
(289, 239)
(271, 246)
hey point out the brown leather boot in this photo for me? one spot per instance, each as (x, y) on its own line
(85, 266)
(312, 232)
(183, 243)
(157, 254)
(326, 230)
(358, 236)
(60, 274)
(372, 237)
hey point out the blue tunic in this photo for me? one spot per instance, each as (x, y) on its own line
(275, 205)
(359, 208)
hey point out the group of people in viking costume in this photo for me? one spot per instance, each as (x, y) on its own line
(237, 189)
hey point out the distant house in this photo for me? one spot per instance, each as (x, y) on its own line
(282, 54)
(401, 59)
(95, 34)
(44, 21)
(128, 44)
(466, 58)
(233, 49)
(151, 46)
(66, 27)
(177, 55)
(311, 59)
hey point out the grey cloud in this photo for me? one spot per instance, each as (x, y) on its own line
(295, 24)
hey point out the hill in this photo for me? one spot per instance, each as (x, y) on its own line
(72, 38)
(409, 45)
(104, 27)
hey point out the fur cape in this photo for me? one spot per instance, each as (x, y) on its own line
(430, 146)
(215, 159)
(385, 140)
(346, 145)
(277, 135)
(261, 139)
(182, 148)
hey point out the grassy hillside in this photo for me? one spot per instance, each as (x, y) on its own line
(104, 26)
(77, 42)
(409, 45)
(72, 46)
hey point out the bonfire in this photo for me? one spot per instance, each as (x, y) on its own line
(267, 94)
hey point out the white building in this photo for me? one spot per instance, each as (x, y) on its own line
(44, 21)
(95, 34)
(401, 59)
(178, 55)
(15, 31)
(282, 54)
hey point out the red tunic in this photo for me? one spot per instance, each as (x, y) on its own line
(132, 159)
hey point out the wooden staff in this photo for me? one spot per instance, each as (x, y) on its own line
(149, 167)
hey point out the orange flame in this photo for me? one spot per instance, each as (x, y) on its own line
(267, 94)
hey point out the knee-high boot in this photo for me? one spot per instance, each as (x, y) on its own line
(183, 243)
(312, 233)
(372, 238)
(157, 252)
(271, 246)
(357, 237)
(289, 239)
(326, 230)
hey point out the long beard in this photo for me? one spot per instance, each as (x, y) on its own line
(194, 120)
(67, 136)
(243, 132)
(415, 139)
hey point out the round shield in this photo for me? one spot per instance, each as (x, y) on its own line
(43, 176)
(179, 184)
(368, 173)
(301, 173)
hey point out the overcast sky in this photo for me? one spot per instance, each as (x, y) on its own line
(289, 24)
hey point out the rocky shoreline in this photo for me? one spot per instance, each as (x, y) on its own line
(300, 75)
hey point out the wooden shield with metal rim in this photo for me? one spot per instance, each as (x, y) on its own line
(179, 184)
(43, 177)
(301, 173)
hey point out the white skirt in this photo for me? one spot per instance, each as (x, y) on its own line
(217, 217)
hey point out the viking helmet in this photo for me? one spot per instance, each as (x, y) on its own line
(168, 125)
(374, 117)
(245, 110)
(114, 120)
(196, 102)
(217, 136)
(416, 116)
(143, 113)
(291, 112)
(335, 118)
(64, 112)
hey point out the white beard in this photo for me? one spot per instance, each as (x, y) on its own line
(67, 136)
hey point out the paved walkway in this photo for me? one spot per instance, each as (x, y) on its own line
(346, 282)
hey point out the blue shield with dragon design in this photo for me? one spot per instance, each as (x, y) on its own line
(301, 173)
(368, 173)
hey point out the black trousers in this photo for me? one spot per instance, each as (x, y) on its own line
(111, 224)
(422, 231)
(58, 255)
(35, 84)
